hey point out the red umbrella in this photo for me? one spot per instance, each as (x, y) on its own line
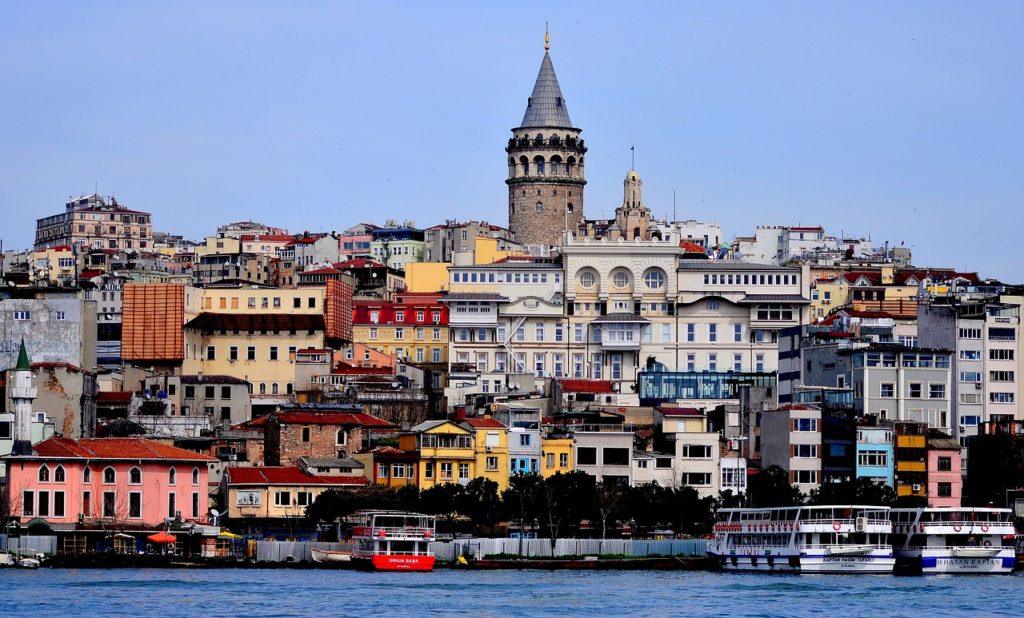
(162, 537)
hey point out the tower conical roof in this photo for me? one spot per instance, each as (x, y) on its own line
(546, 107)
(23, 362)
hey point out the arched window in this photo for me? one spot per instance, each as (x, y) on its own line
(172, 476)
(273, 388)
(540, 206)
(44, 474)
(58, 475)
(263, 388)
(87, 475)
(195, 476)
(587, 279)
(569, 207)
(654, 279)
(109, 476)
(620, 279)
(526, 165)
(538, 162)
(554, 168)
(341, 439)
(135, 476)
(288, 388)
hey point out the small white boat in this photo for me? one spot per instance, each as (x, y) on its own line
(976, 552)
(28, 563)
(327, 555)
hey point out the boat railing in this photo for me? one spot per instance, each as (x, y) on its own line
(957, 525)
(948, 547)
(884, 546)
(363, 552)
(399, 531)
(845, 521)
(748, 549)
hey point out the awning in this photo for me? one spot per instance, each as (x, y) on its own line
(162, 537)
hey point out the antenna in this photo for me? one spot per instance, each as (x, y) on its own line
(632, 151)
(674, 219)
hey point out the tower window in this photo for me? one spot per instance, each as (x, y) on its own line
(569, 208)
(540, 207)
(558, 101)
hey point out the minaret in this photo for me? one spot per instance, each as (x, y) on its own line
(22, 395)
(545, 165)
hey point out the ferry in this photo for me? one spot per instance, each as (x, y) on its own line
(804, 539)
(393, 541)
(953, 540)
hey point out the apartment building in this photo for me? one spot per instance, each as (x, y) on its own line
(791, 439)
(95, 222)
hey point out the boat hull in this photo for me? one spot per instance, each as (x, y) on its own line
(948, 563)
(395, 562)
(327, 556)
(880, 562)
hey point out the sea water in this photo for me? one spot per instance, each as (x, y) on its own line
(296, 592)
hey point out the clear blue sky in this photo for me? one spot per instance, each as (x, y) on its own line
(898, 121)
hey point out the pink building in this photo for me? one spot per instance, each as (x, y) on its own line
(133, 482)
(945, 483)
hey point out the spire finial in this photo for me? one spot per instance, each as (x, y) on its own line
(547, 37)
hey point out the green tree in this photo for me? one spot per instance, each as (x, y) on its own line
(609, 503)
(441, 501)
(563, 501)
(771, 487)
(480, 502)
(854, 491)
(520, 502)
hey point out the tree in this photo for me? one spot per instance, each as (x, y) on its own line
(520, 502)
(997, 467)
(771, 487)
(480, 502)
(441, 500)
(563, 501)
(333, 505)
(854, 491)
(609, 499)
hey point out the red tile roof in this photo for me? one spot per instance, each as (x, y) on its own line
(691, 247)
(359, 263)
(485, 423)
(275, 475)
(302, 417)
(585, 386)
(327, 270)
(115, 448)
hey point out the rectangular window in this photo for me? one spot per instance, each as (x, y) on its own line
(58, 504)
(540, 332)
(463, 471)
(613, 456)
(945, 464)
(691, 362)
(887, 389)
(273, 352)
(805, 424)
(1000, 376)
(691, 332)
(211, 352)
(109, 509)
(915, 390)
(712, 362)
(712, 332)
(805, 476)
(616, 366)
(492, 463)
(306, 434)
(936, 391)
(696, 451)
(586, 456)
(250, 353)
(737, 333)
(873, 458)
(28, 503)
(524, 439)
(737, 362)
(446, 471)
(996, 354)
(282, 498)
(805, 451)
(382, 471)
(759, 362)
(172, 505)
(697, 479)
(945, 490)
(559, 332)
(44, 504)
(134, 505)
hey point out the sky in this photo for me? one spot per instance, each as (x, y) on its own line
(890, 121)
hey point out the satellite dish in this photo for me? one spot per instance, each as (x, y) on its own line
(215, 512)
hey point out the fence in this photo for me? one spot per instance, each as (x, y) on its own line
(541, 548)
(281, 551)
(293, 551)
(29, 545)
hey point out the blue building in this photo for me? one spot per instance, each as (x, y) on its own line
(875, 455)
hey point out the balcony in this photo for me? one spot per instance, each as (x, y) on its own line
(911, 466)
(621, 331)
(910, 441)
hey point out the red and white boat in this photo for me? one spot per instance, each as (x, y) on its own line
(393, 541)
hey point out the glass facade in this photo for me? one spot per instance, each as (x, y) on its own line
(662, 386)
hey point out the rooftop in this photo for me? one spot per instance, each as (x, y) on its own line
(282, 475)
(115, 448)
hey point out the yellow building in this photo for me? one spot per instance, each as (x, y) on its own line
(491, 446)
(556, 456)
(253, 334)
(278, 492)
(389, 466)
(218, 245)
(446, 452)
(414, 327)
(56, 266)
(426, 277)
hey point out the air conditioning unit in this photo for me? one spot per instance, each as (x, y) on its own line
(916, 487)
(977, 386)
(861, 524)
(489, 448)
(827, 302)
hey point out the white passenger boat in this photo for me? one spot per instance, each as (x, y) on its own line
(953, 540)
(393, 541)
(804, 539)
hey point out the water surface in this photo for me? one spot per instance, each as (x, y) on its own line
(293, 592)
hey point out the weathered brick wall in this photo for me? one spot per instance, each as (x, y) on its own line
(290, 447)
